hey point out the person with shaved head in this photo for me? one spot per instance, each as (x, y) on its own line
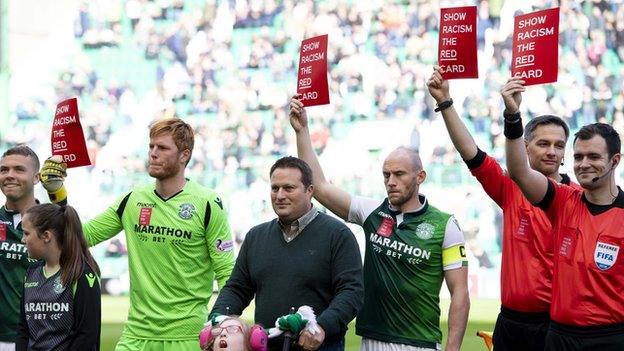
(411, 248)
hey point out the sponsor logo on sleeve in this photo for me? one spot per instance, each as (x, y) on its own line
(90, 279)
(605, 255)
(219, 203)
(224, 245)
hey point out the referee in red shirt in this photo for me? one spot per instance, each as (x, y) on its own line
(526, 268)
(587, 310)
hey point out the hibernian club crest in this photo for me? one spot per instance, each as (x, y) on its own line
(186, 211)
(425, 231)
(58, 285)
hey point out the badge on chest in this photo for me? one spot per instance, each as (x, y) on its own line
(385, 229)
(605, 255)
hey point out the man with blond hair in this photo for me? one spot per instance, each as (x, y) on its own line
(178, 239)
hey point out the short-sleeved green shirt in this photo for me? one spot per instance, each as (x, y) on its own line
(176, 248)
(406, 256)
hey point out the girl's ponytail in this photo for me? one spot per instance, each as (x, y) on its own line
(74, 250)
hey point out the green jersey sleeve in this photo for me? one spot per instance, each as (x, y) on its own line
(107, 224)
(219, 241)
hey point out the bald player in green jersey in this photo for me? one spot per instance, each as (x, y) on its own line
(178, 240)
(411, 248)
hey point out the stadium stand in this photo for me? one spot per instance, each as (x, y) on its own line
(230, 67)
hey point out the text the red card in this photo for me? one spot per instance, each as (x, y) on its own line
(535, 43)
(67, 136)
(457, 42)
(312, 74)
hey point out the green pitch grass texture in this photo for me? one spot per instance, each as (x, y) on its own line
(483, 314)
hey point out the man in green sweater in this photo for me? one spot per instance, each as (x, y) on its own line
(303, 257)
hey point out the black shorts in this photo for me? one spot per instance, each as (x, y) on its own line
(520, 331)
(563, 337)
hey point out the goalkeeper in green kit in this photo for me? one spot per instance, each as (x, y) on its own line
(178, 241)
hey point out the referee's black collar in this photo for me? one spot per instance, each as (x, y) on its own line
(598, 209)
(565, 179)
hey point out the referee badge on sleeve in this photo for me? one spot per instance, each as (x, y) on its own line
(605, 255)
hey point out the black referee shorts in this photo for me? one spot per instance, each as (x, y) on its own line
(563, 337)
(520, 331)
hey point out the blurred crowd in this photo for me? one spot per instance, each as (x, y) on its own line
(229, 67)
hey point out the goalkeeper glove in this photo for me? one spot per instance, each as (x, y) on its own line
(52, 176)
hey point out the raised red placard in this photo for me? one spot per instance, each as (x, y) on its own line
(457, 42)
(312, 73)
(67, 137)
(535, 57)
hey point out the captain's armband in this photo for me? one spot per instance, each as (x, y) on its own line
(454, 257)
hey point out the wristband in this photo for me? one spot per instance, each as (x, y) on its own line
(58, 196)
(511, 116)
(444, 105)
(513, 126)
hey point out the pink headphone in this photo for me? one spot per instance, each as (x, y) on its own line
(258, 338)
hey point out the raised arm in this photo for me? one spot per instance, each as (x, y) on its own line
(335, 199)
(532, 183)
(460, 136)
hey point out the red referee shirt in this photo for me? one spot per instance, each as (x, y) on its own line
(588, 286)
(526, 268)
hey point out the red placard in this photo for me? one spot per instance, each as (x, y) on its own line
(312, 76)
(535, 41)
(3, 232)
(457, 42)
(67, 136)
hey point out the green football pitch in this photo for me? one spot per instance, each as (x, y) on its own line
(483, 314)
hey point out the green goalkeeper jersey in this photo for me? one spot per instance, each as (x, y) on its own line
(176, 248)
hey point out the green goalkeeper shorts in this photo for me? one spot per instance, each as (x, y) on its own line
(132, 344)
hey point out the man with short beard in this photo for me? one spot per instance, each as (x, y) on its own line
(178, 241)
(19, 168)
(587, 310)
(411, 247)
